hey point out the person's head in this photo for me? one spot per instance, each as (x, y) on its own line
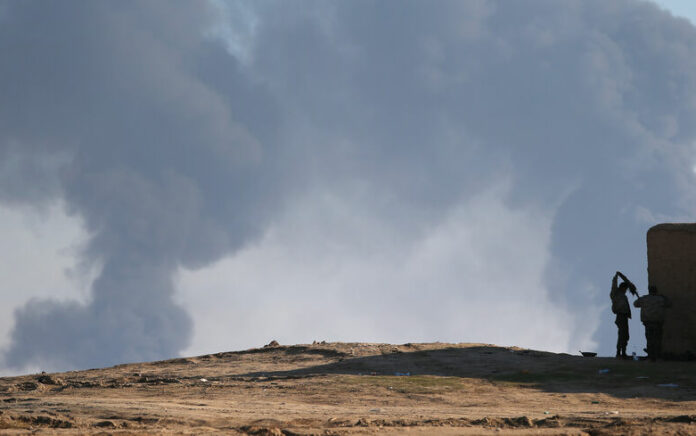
(652, 290)
(623, 286)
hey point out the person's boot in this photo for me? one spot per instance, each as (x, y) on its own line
(618, 352)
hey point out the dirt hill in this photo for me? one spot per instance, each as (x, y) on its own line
(359, 388)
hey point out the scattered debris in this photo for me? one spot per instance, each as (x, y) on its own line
(204, 380)
(402, 374)
(604, 371)
(668, 385)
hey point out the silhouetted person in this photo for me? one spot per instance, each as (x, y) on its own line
(652, 315)
(620, 306)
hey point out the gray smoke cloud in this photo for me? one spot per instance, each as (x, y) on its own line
(176, 145)
(588, 106)
(105, 105)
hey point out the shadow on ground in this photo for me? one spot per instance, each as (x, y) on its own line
(560, 373)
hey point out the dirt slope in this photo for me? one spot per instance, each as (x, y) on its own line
(358, 388)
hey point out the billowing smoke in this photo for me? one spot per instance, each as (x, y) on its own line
(105, 105)
(179, 132)
(588, 107)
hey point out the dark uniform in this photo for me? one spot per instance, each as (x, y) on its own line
(652, 315)
(620, 306)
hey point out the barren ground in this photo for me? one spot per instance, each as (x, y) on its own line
(358, 388)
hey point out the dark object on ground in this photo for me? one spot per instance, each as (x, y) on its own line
(588, 354)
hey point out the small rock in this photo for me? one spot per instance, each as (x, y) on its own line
(105, 424)
(521, 421)
(272, 344)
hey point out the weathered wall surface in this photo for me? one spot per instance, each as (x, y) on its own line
(672, 268)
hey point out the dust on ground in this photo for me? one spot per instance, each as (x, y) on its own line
(359, 388)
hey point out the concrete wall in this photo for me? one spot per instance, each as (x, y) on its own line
(672, 268)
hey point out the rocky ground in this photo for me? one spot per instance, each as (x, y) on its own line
(359, 388)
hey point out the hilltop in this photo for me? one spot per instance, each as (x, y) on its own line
(359, 388)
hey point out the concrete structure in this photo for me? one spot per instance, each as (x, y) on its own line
(672, 268)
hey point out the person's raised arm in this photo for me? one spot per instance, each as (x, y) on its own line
(623, 277)
(631, 286)
(614, 287)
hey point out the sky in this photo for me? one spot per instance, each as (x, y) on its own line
(180, 178)
(679, 8)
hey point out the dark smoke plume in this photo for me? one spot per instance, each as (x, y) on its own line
(109, 105)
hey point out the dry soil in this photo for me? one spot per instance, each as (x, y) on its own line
(359, 388)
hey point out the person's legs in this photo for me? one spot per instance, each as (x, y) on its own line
(622, 341)
(618, 337)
